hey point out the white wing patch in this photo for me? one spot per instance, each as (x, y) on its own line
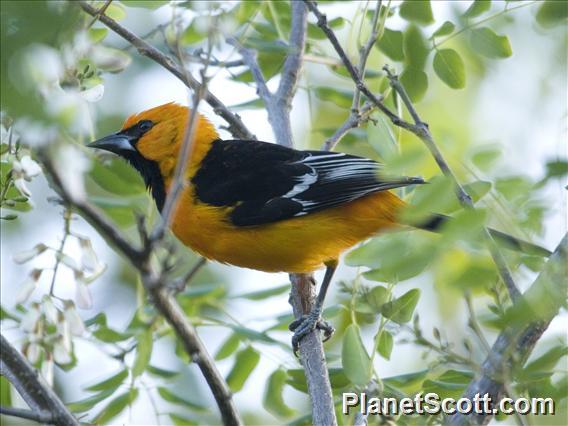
(304, 183)
(338, 178)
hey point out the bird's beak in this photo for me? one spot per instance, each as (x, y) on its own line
(119, 143)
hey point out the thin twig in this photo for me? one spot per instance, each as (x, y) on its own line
(365, 51)
(36, 416)
(421, 129)
(474, 324)
(90, 213)
(166, 303)
(236, 126)
(66, 232)
(179, 180)
(360, 85)
(533, 314)
(354, 120)
(38, 395)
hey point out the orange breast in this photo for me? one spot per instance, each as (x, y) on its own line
(299, 245)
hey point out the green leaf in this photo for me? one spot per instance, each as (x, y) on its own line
(5, 392)
(391, 44)
(552, 13)
(254, 104)
(97, 35)
(556, 168)
(181, 420)
(116, 406)
(385, 344)
(229, 347)
(354, 357)
(161, 372)
(377, 297)
(173, 398)
(449, 67)
(116, 11)
(445, 29)
(450, 384)
(485, 157)
(489, 44)
(246, 10)
(88, 403)
(108, 335)
(273, 400)
(251, 334)
(145, 4)
(117, 177)
(477, 8)
(400, 310)
(341, 98)
(191, 35)
(415, 82)
(245, 362)
(407, 382)
(112, 382)
(143, 352)
(419, 11)
(380, 136)
(264, 294)
(547, 361)
(415, 49)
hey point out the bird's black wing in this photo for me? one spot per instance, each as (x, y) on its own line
(266, 183)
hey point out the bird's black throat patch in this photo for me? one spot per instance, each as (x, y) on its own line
(150, 172)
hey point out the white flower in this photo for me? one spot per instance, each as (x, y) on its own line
(42, 65)
(27, 255)
(64, 332)
(82, 293)
(32, 352)
(93, 94)
(76, 325)
(61, 354)
(34, 133)
(47, 370)
(29, 285)
(72, 164)
(21, 186)
(23, 170)
(89, 259)
(29, 167)
(31, 318)
(49, 310)
(67, 261)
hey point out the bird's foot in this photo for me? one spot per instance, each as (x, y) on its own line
(306, 324)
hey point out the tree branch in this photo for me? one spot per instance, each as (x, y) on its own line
(36, 416)
(532, 315)
(360, 85)
(236, 126)
(420, 129)
(302, 295)
(43, 401)
(156, 285)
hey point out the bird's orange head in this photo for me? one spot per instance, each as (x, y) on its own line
(151, 142)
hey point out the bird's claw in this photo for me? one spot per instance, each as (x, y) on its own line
(306, 324)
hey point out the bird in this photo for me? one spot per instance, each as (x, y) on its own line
(264, 206)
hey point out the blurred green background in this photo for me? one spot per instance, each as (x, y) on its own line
(488, 77)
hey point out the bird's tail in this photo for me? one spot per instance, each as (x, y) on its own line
(435, 222)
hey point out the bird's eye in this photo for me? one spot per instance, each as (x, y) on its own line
(145, 125)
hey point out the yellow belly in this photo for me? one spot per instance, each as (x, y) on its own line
(299, 245)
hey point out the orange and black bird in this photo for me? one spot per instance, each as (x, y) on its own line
(263, 206)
